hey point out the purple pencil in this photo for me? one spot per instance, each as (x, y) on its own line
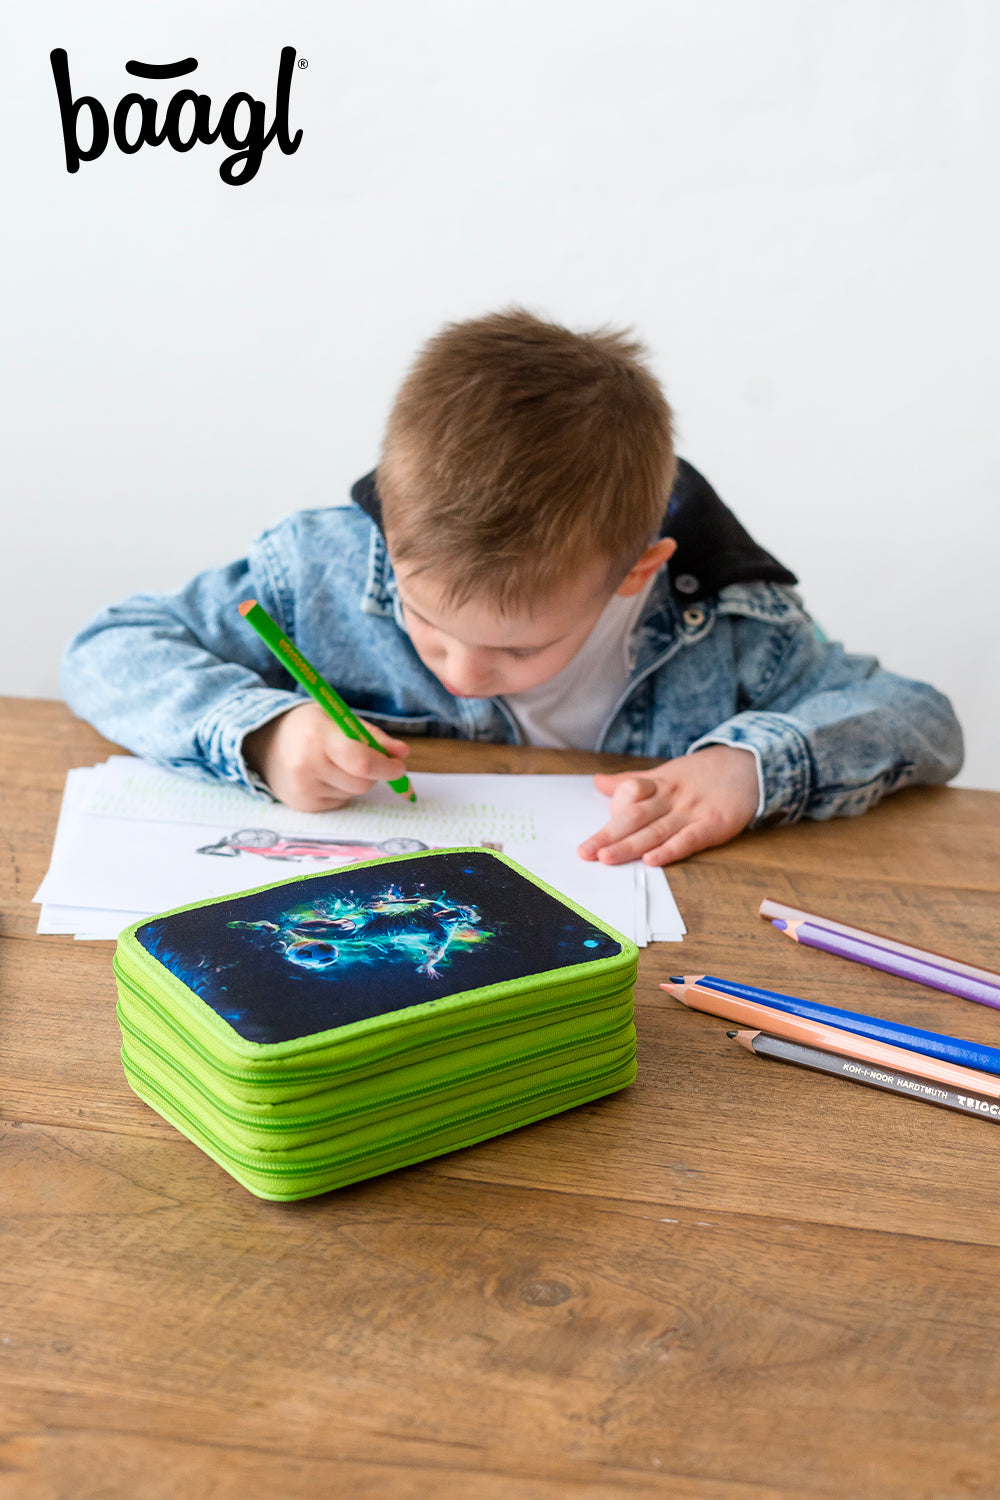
(919, 964)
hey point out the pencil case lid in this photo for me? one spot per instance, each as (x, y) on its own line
(374, 957)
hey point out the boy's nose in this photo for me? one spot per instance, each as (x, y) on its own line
(467, 672)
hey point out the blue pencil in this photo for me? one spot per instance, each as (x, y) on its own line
(930, 1043)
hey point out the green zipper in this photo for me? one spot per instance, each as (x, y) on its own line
(277, 1071)
(296, 1169)
(290, 1124)
(405, 1029)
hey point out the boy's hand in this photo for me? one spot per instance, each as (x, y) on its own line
(675, 809)
(310, 764)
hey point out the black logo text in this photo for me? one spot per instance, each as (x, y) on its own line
(241, 123)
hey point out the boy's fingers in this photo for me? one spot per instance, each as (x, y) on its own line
(624, 783)
(629, 807)
(636, 845)
(394, 746)
(631, 817)
(311, 791)
(689, 840)
(325, 799)
(340, 780)
(359, 761)
(605, 782)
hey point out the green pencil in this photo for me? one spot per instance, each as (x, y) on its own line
(303, 671)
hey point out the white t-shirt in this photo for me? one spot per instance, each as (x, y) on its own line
(569, 711)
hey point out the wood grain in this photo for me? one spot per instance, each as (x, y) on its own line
(735, 1279)
(540, 1335)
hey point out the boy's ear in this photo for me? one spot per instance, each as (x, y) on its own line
(644, 567)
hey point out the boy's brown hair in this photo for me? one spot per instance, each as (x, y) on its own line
(517, 452)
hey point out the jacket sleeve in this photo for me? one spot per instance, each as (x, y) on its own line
(831, 732)
(180, 678)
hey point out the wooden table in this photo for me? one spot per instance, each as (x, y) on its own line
(733, 1281)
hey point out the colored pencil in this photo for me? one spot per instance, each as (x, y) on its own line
(834, 1039)
(931, 1043)
(889, 1079)
(304, 672)
(919, 964)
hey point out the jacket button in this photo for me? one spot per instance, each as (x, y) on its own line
(694, 617)
(686, 583)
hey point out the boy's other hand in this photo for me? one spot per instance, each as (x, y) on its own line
(310, 764)
(674, 810)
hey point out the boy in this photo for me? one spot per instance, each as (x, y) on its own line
(529, 562)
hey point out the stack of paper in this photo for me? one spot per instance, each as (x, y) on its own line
(133, 840)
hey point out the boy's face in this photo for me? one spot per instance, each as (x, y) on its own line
(478, 653)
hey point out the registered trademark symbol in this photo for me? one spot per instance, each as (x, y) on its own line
(303, 62)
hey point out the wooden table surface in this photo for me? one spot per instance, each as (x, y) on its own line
(735, 1280)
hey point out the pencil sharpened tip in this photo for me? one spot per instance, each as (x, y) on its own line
(677, 979)
(247, 606)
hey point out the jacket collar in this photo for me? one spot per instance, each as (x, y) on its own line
(380, 596)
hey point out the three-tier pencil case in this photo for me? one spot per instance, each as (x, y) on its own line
(324, 1029)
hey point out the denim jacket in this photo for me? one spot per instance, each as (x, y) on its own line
(181, 678)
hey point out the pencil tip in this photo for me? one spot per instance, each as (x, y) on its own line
(731, 1034)
(676, 978)
(247, 606)
(678, 992)
(413, 796)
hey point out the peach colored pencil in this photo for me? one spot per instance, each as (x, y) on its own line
(831, 1039)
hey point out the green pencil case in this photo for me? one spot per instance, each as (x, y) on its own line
(327, 1028)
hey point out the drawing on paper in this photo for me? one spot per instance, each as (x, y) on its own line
(293, 847)
(271, 845)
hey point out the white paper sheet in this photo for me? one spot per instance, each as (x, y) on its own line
(133, 840)
(663, 917)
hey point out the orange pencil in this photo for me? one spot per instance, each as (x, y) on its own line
(831, 1039)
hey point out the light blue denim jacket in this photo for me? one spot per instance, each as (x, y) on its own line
(181, 678)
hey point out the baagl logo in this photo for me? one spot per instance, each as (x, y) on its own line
(187, 119)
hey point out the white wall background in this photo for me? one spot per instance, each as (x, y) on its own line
(795, 203)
